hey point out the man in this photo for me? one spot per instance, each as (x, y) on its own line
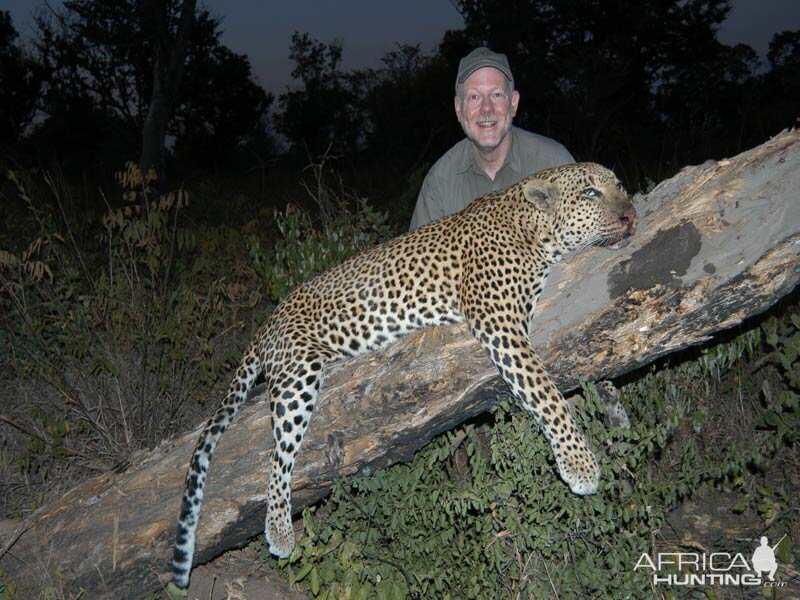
(494, 155)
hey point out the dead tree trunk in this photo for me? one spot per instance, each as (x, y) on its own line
(716, 244)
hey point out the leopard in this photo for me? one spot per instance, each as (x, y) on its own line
(486, 266)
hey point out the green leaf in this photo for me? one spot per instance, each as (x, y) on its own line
(314, 581)
(176, 593)
(770, 418)
(304, 571)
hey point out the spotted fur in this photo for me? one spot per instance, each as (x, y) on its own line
(485, 265)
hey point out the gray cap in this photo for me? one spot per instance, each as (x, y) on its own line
(482, 57)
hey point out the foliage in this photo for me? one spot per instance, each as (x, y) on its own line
(320, 113)
(221, 122)
(391, 119)
(111, 353)
(645, 87)
(497, 524)
(118, 332)
(481, 513)
(98, 59)
(350, 225)
(20, 79)
(647, 97)
(783, 404)
(303, 251)
(610, 80)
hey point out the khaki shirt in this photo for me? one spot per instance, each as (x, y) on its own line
(456, 179)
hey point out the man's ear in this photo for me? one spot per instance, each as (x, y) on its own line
(514, 103)
(542, 194)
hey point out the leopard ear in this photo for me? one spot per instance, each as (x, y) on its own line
(542, 194)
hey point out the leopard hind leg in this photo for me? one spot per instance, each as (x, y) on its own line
(293, 395)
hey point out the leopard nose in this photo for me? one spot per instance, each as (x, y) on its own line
(628, 221)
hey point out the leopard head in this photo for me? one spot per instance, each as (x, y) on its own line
(586, 205)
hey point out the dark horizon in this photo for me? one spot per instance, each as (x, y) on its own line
(368, 30)
(645, 100)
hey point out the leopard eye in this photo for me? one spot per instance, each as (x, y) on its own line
(591, 192)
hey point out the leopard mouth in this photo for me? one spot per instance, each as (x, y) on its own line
(626, 227)
(619, 244)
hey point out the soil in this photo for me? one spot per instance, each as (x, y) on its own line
(240, 575)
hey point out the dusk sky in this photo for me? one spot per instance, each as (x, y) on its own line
(367, 29)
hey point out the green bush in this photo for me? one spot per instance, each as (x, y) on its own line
(118, 332)
(114, 338)
(498, 524)
(783, 401)
(304, 251)
(481, 512)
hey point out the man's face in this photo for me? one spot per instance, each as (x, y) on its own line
(485, 110)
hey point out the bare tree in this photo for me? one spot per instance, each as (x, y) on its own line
(168, 67)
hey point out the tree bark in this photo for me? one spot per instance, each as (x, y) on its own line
(717, 243)
(170, 55)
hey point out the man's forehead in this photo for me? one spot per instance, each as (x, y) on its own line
(486, 76)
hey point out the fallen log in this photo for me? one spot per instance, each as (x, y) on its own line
(717, 243)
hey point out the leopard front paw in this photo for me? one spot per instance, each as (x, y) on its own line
(579, 470)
